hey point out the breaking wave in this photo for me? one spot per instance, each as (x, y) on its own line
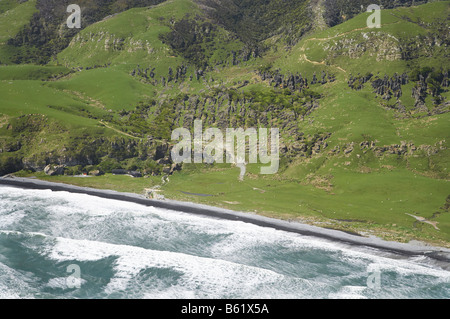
(125, 250)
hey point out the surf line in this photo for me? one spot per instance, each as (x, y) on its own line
(436, 253)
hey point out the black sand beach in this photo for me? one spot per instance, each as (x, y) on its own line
(441, 255)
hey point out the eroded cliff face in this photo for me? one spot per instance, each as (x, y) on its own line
(106, 41)
(34, 141)
(426, 39)
(381, 45)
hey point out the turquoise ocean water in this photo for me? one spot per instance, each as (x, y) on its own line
(62, 245)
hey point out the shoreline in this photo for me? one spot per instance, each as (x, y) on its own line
(439, 254)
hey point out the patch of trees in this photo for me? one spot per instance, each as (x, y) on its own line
(198, 40)
(149, 119)
(256, 20)
(191, 39)
(10, 164)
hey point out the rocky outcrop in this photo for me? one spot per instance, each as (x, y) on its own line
(378, 44)
(96, 172)
(427, 82)
(305, 146)
(148, 75)
(419, 92)
(349, 148)
(386, 87)
(402, 149)
(53, 170)
(294, 82)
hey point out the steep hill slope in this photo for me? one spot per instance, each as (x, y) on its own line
(45, 34)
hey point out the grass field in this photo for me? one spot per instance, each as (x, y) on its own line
(113, 88)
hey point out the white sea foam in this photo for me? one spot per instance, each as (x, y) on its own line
(208, 273)
(8, 218)
(85, 228)
(13, 284)
(237, 236)
(206, 277)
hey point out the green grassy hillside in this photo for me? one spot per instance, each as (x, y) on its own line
(363, 113)
(13, 17)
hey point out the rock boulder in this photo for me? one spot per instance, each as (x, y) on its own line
(53, 170)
